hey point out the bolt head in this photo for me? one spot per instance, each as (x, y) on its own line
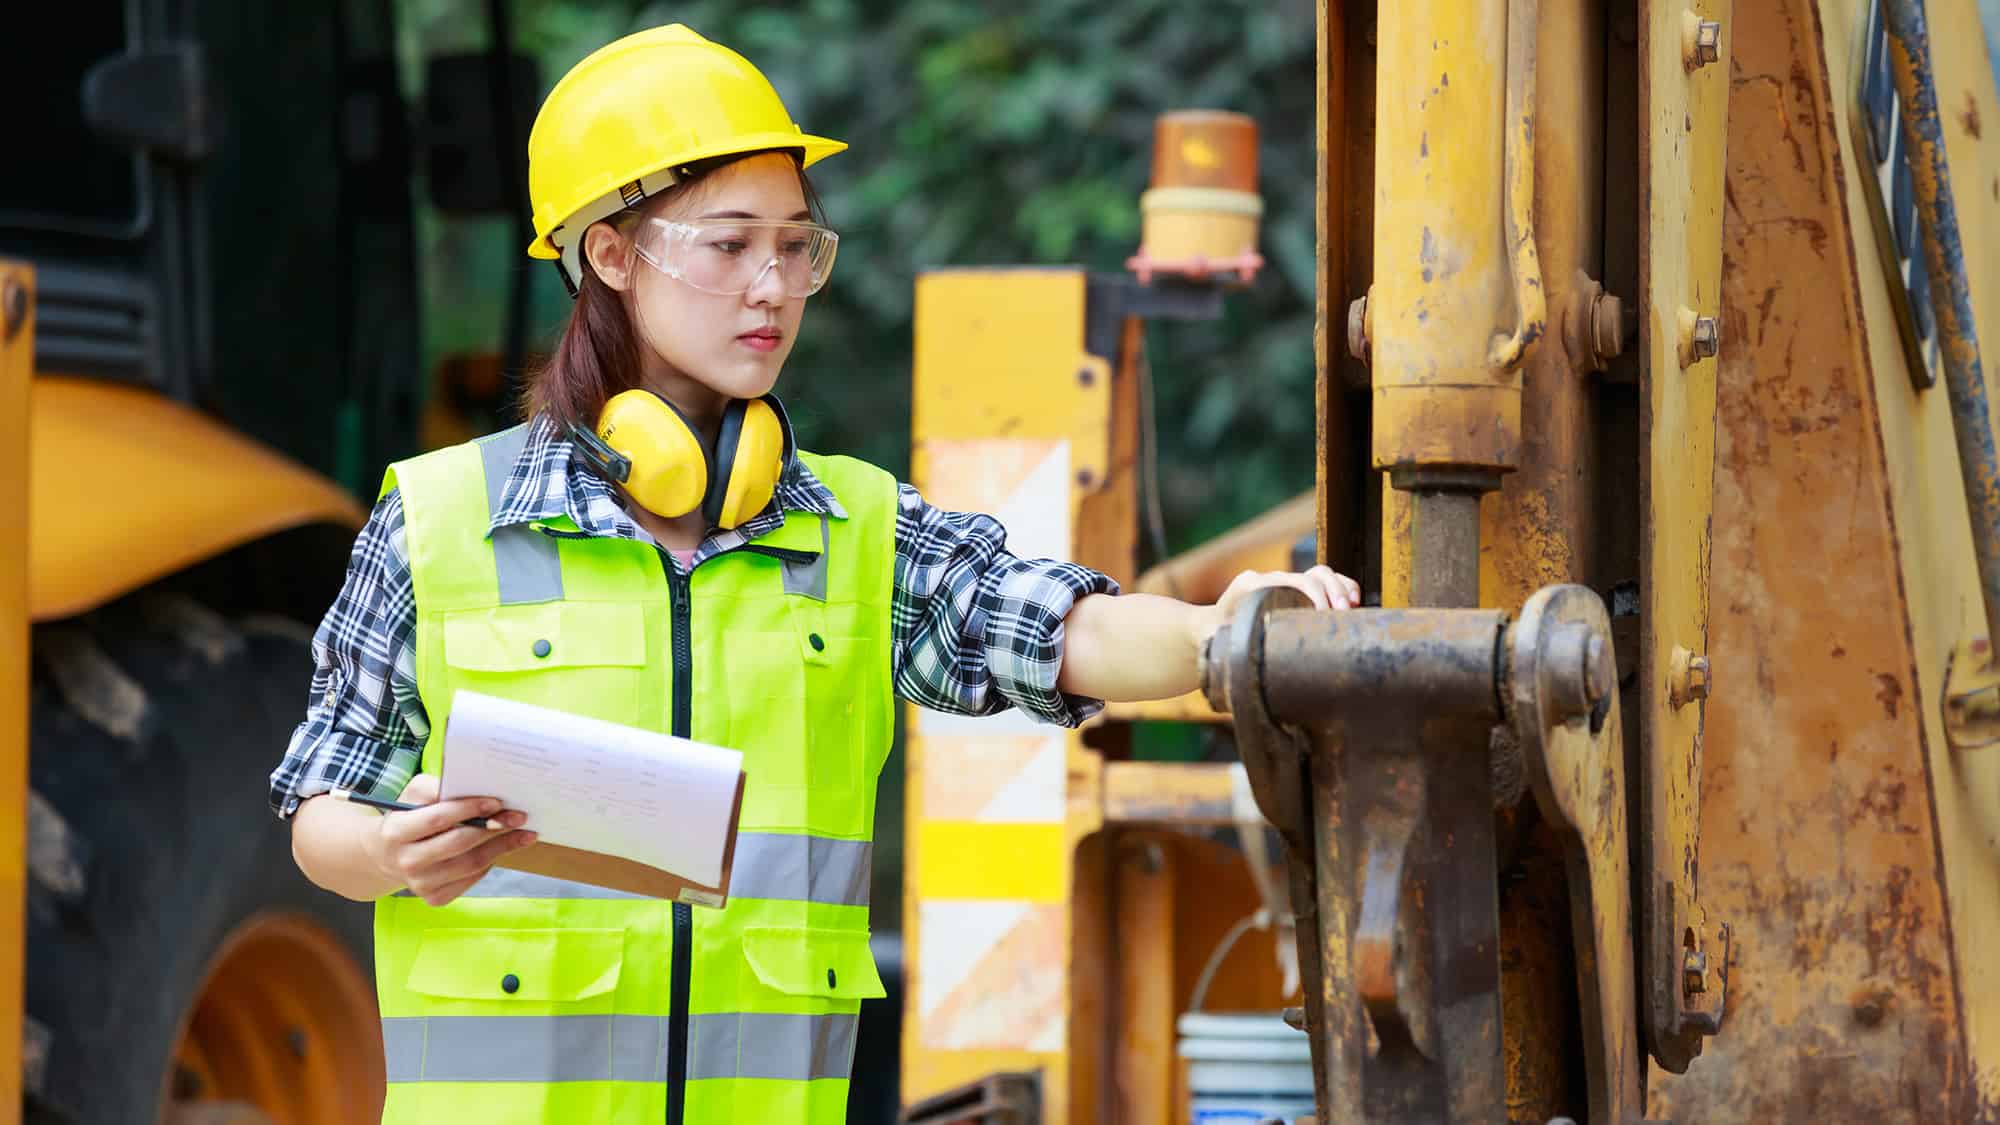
(1607, 327)
(1598, 674)
(1357, 329)
(1698, 677)
(1707, 336)
(1707, 43)
(1694, 972)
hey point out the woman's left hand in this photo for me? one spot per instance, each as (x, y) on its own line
(1327, 589)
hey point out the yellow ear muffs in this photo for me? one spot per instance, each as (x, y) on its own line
(667, 469)
(643, 442)
(750, 452)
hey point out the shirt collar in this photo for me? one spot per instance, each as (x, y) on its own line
(549, 481)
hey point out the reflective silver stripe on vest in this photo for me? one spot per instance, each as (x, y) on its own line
(501, 882)
(768, 865)
(801, 868)
(770, 1045)
(616, 1048)
(809, 578)
(526, 1048)
(527, 562)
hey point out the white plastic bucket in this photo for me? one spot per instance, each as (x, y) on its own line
(1245, 1068)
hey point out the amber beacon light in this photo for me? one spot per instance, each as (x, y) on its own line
(1199, 218)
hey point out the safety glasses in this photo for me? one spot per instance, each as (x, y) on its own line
(731, 256)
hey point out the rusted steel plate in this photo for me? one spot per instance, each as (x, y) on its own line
(1820, 842)
(1683, 104)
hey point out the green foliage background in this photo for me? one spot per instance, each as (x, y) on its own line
(979, 133)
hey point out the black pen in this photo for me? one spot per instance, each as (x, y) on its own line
(354, 798)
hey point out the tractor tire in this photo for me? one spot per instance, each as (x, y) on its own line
(154, 725)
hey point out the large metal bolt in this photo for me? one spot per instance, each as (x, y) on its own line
(1583, 675)
(1598, 673)
(1357, 328)
(1701, 41)
(1688, 678)
(1700, 336)
(1697, 685)
(1707, 336)
(1694, 972)
(1607, 329)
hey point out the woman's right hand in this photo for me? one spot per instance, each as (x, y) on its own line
(431, 853)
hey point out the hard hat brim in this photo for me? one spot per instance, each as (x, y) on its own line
(815, 148)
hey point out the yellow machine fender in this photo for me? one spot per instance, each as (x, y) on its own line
(126, 486)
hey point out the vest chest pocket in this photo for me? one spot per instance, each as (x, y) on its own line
(584, 657)
(814, 967)
(526, 972)
(805, 713)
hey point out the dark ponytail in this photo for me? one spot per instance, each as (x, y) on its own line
(598, 354)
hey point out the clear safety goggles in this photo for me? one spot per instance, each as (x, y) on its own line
(731, 256)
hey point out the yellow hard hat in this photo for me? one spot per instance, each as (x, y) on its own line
(621, 123)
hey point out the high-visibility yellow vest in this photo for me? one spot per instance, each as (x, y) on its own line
(532, 1000)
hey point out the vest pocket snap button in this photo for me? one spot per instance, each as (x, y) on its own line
(815, 641)
(542, 648)
(510, 984)
(829, 978)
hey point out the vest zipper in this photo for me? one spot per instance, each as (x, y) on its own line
(680, 589)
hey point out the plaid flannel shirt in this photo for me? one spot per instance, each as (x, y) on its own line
(973, 629)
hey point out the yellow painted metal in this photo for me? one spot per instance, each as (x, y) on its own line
(129, 486)
(1539, 528)
(1684, 121)
(1018, 835)
(1003, 387)
(1442, 289)
(1531, 307)
(1018, 862)
(1014, 348)
(17, 350)
(1932, 537)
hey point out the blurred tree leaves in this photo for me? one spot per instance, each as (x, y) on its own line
(988, 133)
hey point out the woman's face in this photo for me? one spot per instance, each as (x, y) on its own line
(701, 349)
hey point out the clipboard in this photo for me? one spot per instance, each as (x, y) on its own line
(582, 865)
(620, 874)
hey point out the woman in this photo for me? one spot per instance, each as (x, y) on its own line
(649, 548)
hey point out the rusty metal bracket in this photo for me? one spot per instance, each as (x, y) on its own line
(1531, 302)
(1694, 982)
(1564, 709)
(1275, 761)
(1396, 889)
(1971, 697)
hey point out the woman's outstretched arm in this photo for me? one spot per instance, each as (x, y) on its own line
(1143, 646)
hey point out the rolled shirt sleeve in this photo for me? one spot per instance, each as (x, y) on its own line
(977, 629)
(365, 725)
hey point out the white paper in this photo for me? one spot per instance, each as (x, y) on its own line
(603, 787)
